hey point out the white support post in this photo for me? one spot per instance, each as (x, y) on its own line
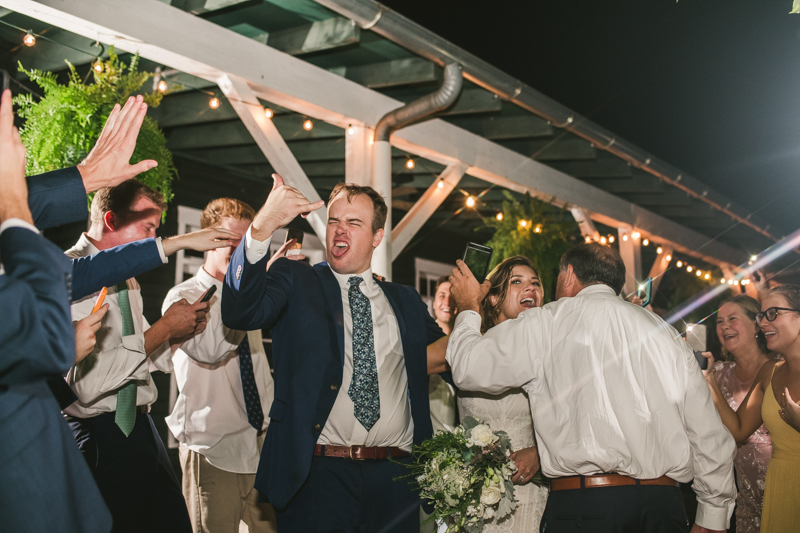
(270, 142)
(631, 252)
(358, 155)
(660, 266)
(382, 182)
(425, 207)
(585, 223)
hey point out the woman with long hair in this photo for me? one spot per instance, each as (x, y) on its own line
(515, 288)
(744, 342)
(770, 401)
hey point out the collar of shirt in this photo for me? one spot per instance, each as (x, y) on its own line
(84, 246)
(369, 286)
(207, 280)
(599, 289)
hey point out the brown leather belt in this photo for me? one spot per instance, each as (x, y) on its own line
(360, 452)
(606, 480)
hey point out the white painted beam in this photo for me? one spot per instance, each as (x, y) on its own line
(585, 223)
(358, 154)
(201, 48)
(631, 252)
(270, 142)
(430, 201)
(660, 266)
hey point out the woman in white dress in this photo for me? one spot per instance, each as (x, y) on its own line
(515, 288)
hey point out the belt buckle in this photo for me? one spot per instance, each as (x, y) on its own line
(351, 452)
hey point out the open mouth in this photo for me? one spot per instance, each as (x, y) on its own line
(339, 248)
(527, 303)
(729, 336)
(445, 310)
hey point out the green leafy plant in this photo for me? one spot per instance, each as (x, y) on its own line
(531, 228)
(62, 127)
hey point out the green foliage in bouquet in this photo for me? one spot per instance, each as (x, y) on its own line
(466, 474)
(64, 125)
(543, 238)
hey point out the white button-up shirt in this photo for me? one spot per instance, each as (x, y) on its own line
(209, 416)
(395, 426)
(115, 359)
(612, 387)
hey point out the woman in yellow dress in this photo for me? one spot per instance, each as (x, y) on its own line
(771, 401)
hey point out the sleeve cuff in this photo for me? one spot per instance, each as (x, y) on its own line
(469, 318)
(715, 518)
(161, 251)
(17, 223)
(255, 250)
(134, 344)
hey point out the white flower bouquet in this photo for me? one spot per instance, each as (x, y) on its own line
(466, 475)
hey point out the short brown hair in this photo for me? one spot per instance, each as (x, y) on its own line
(594, 263)
(120, 199)
(379, 209)
(225, 207)
(499, 278)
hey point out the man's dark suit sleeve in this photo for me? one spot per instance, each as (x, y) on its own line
(36, 339)
(251, 297)
(57, 198)
(112, 266)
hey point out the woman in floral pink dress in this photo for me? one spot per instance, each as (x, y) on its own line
(741, 338)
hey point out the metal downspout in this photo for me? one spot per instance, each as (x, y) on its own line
(382, 20)
(382, 152)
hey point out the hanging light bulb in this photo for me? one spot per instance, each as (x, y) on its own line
(636, 234)
(523, 223)
(269, 113)
(689, 268)
(162, 86)
(603, 240)
(646, 242)
(538, 228)
(611, 239)
(699, 273)
(307, 125)
(97, 66)
(659, 250)
(707, 276)
(730, 282)
(410, 164)
(669, 258)
(29, 39)
(440, 184)
(722, 281)
(351, 130)
(753, 258)
(499, 216)
(679, 264)
(213, 103)
(587, 239)
(470, 201)
(736, 282)
(625, 238)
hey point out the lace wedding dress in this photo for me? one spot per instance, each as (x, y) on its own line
(509, 412)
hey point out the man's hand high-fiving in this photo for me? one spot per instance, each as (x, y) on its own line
(283, 204)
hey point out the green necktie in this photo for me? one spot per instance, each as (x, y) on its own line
(126, 396)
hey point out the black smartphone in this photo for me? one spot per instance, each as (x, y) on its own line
(477, 258)
(646, 291)
(209, 293)
(5, 80)
(296, 234)
(702, 361)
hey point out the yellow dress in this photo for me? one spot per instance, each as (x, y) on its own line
(781, 512)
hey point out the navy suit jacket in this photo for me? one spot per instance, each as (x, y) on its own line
(45, 484)
(302, 305)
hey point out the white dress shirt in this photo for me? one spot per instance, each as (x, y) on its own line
(395, 426)
(115, 359)
(209, 416)
(612, 388)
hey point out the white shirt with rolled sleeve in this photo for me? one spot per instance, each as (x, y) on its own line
(115, 359)
(612, 388)
(395, 427)
(209, 416)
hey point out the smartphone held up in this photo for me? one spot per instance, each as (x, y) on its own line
(477, 257)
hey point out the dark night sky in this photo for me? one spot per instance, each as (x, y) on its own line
(710, 86)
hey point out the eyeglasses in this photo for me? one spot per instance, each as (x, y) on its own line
(772, 313)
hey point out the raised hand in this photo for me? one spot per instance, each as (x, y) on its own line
(465, 289)
(282, 253)
(283, 204)
(201, 241)
(708, 373)
(14, 196)
(108, 164)
(85, 330)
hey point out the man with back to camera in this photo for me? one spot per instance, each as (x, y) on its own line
(110, 420)
(350, 362)
(226, 390)
(620, 407)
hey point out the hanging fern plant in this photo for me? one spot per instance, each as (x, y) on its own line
(62, 127)
(531, 228)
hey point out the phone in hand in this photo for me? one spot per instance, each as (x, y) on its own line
(477, 257)
(696, 337)
(645, 292)
(297, 235)
(209, 293)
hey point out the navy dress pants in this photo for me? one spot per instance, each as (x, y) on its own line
(625, 509)
(134, 475)
(344, 495)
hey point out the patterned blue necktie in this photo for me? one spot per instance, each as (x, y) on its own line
(252, 401)
(364, 386)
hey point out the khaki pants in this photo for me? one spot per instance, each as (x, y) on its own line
(221, 501)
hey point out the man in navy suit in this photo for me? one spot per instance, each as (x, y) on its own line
(350, 361)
